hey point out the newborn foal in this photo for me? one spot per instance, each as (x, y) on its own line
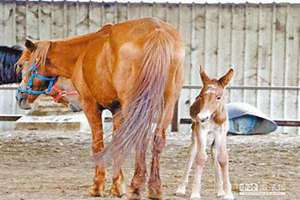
(209, 114)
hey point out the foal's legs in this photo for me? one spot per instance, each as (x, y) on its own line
(222, 164)
(218, 177)
(201, 157)
(118, 186)
(182, 187)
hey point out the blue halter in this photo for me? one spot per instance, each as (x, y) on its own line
(28, 89)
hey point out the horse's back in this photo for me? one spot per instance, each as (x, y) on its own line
(137, 30)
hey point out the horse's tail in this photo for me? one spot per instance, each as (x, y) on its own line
(145, 101)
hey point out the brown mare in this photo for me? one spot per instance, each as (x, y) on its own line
(62, 92)
(135, 69)
(209, 114)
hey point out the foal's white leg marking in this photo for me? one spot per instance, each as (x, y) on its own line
(201, 157)
(218, 178)
(221, 158)
(182, 187)
(218, 173)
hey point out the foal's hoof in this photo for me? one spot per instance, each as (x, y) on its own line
(180, 190)
(221, 193)
(95, 192)
(228, 196)
(133, 194)
(195, 196)
(154, 194)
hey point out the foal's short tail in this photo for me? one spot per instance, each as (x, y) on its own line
(145, 101)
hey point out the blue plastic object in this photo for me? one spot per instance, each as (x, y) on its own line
(245, 119)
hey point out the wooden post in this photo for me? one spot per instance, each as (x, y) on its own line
(175, 120)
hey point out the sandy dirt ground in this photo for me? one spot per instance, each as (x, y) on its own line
(57, 165)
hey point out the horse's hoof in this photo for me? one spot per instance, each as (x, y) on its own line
(154, 194)
(117, 191)
(180, 190)
(95, 192)
(133, 194)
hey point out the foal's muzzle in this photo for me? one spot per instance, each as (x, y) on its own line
(204, 119)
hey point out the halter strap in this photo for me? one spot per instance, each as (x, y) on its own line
(28, 89)
(61, 93)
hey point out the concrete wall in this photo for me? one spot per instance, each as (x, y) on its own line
(261, 41)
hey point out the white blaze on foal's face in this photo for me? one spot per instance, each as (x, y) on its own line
(211, 96)
(210, 99)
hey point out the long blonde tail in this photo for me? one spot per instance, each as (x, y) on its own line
(146, 101)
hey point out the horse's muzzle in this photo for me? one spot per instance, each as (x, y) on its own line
(22, 101)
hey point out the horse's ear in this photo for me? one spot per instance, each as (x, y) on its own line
(203, 75)
(224, 80)
(30, 45)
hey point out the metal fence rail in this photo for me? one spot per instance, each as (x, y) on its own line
(176, 121)
(279, 122)
(295, 88)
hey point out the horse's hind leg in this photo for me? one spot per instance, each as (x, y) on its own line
(118, 186)
(139, 178)
(172, 89)
(154, 183)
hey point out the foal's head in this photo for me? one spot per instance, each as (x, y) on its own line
(211, 97)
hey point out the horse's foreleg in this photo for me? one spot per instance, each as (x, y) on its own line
(118, 187)
(95, 121)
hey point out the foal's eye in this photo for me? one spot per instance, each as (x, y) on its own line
(219, 98)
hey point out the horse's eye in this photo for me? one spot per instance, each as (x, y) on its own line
(219, 98)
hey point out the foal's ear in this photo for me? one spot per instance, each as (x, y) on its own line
(203, 75)
(224, 80)
(30, 45)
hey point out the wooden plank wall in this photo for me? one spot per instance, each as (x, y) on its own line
(260, 40)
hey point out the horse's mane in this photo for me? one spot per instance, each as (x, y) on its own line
(8, 57)
(40, 53)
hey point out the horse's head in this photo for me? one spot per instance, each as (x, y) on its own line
(211, 96)
(35, 80)
(37, 77)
